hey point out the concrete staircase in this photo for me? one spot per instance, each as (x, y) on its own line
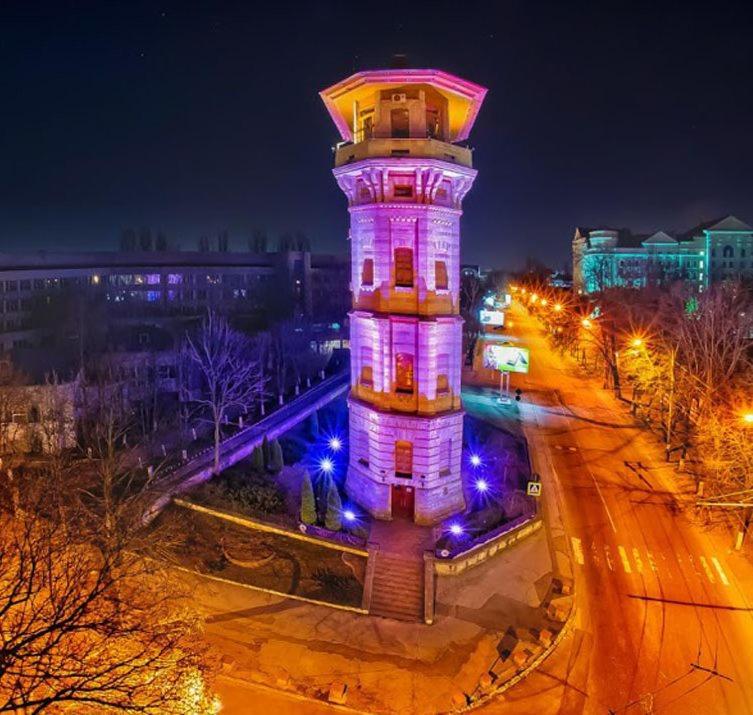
(398, 586)
(398, 590)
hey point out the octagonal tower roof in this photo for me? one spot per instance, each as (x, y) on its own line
(464, 98)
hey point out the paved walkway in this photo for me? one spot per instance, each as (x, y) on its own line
(389, 666)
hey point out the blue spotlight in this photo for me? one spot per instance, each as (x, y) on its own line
(335, 443)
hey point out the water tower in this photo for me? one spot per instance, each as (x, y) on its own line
(405, 173)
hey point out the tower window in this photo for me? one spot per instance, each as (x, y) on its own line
(728, 252)
(367, 372)
(367, 272)
(404, 373)
(400, 123)
(403, 459)
(440, 275)
(443, 371)
(404, 267)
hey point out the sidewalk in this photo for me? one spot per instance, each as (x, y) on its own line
(388, 666)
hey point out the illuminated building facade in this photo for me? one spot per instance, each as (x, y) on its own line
(708, 253)
(405, 176)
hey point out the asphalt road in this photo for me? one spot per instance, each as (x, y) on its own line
(664, 606)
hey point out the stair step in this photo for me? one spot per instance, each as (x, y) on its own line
(413, 615)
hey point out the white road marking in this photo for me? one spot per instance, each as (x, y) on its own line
(603, 501)
(625, 560)
(637, 559)
(577, 550)
(608, 557)
(720, 571)
(706, 568)
(651, 562)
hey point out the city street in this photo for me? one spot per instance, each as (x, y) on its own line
(663, 621)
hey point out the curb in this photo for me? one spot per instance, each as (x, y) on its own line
(521, 675)
(292, 694)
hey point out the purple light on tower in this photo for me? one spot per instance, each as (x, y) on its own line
(405, 177)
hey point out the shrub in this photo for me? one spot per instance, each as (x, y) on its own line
(335, 587)
(275, 462)
(333, 516)
(308, 503)
(265, 450)
(257, 459)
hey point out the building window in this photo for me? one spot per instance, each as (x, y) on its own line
(367, 272)
(403, 192)
(443, 374)
(440, 275)
(742, 253)
(404, 267)
(728, 251)
(445, 455)
(403, 459)
(367, 371)
(404, 373)
(400, 123)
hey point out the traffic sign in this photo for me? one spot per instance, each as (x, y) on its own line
(534, 489)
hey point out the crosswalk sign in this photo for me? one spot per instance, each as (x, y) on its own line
(534, 489)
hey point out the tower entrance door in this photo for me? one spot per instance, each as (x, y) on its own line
(403, 501)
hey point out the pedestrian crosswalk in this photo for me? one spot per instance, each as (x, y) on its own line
(641, 562)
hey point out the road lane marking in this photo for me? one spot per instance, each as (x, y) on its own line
(608, 557)
(624, 559)
(720, 571)
(603, 501)
(637, 559)
(577, 550)
(706, 568)
(651, 562)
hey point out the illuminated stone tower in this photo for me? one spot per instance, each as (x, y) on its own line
(405, 177)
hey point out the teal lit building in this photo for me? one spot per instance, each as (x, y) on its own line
(708, 253)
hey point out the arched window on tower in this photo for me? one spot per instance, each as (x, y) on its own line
(728, 251)
(367, 272)
(403, 459)
(440, 275)
(443, 374)
(404, 267)
(404, 373)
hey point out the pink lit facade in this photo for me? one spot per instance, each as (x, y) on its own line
(405, 179)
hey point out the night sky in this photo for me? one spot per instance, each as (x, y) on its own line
(194, 118)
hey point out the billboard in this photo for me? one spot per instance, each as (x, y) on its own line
(491, 317)
(508, 358)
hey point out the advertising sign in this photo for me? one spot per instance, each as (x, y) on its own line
(507, 358)
(491, 317)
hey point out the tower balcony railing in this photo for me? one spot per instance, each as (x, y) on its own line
(378, 148)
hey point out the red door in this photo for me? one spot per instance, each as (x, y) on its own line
(403, 501)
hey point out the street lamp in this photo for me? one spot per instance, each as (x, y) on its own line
(557, 307)
(636, 342)
(586, 323)
(748, 418)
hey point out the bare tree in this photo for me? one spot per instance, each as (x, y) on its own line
(86, 624)
(229, 376)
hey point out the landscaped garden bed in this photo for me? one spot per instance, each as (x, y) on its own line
(273, 561)
(496, 470)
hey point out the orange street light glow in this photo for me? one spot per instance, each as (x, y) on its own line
(557, 307)
(544, 301)
(637, 342)
(748, 418)
(586, 323)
